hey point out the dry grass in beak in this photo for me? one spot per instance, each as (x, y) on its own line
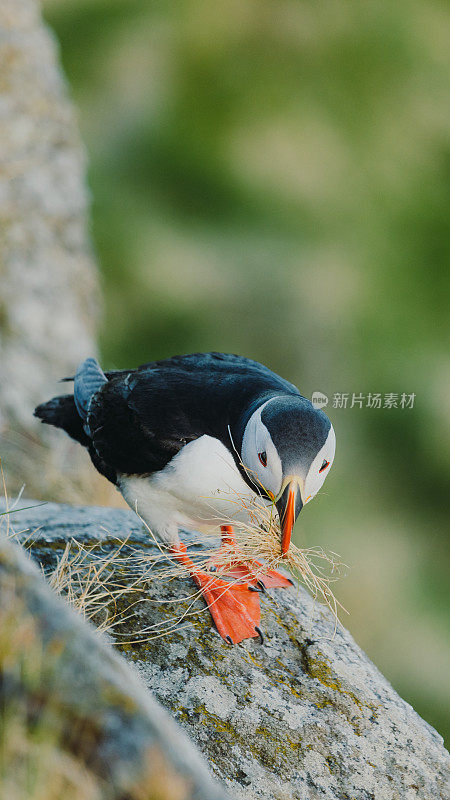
(260, 541)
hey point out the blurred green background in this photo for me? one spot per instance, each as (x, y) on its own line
(271, 179)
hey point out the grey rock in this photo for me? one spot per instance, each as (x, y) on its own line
(306, 715)
(49, 296)
(76, 722)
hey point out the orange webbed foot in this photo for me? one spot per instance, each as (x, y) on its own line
(254, 573)
(234, 607)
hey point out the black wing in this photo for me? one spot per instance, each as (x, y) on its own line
(142, 418)
(210, 363)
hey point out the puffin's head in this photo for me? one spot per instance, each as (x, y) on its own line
(287, 449)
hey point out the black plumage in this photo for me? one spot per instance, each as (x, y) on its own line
(139, 419)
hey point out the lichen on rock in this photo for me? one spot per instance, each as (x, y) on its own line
(75, 721)
(305, 715)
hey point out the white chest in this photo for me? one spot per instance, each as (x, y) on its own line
(200, 487)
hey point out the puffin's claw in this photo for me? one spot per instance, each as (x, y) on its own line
(261, 586)
(260, 634)
(229, 639)
(273, 578)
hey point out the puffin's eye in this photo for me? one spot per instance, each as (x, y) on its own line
(324, 465)
(263, 458)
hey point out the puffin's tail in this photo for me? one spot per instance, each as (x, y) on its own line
(62, 413)
(70, 411)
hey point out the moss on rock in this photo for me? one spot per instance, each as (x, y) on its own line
(306, 715)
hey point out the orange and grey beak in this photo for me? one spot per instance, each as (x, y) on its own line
(289, 505)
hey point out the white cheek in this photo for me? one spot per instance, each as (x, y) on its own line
(257, 439)
(315, 479)
(271, 476)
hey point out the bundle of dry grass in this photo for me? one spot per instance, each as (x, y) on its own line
(257, 545)
(104, 586)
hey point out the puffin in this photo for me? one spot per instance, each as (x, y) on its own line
(182, 437)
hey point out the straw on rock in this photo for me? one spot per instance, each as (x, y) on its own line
(257, 544)
(106, 586)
